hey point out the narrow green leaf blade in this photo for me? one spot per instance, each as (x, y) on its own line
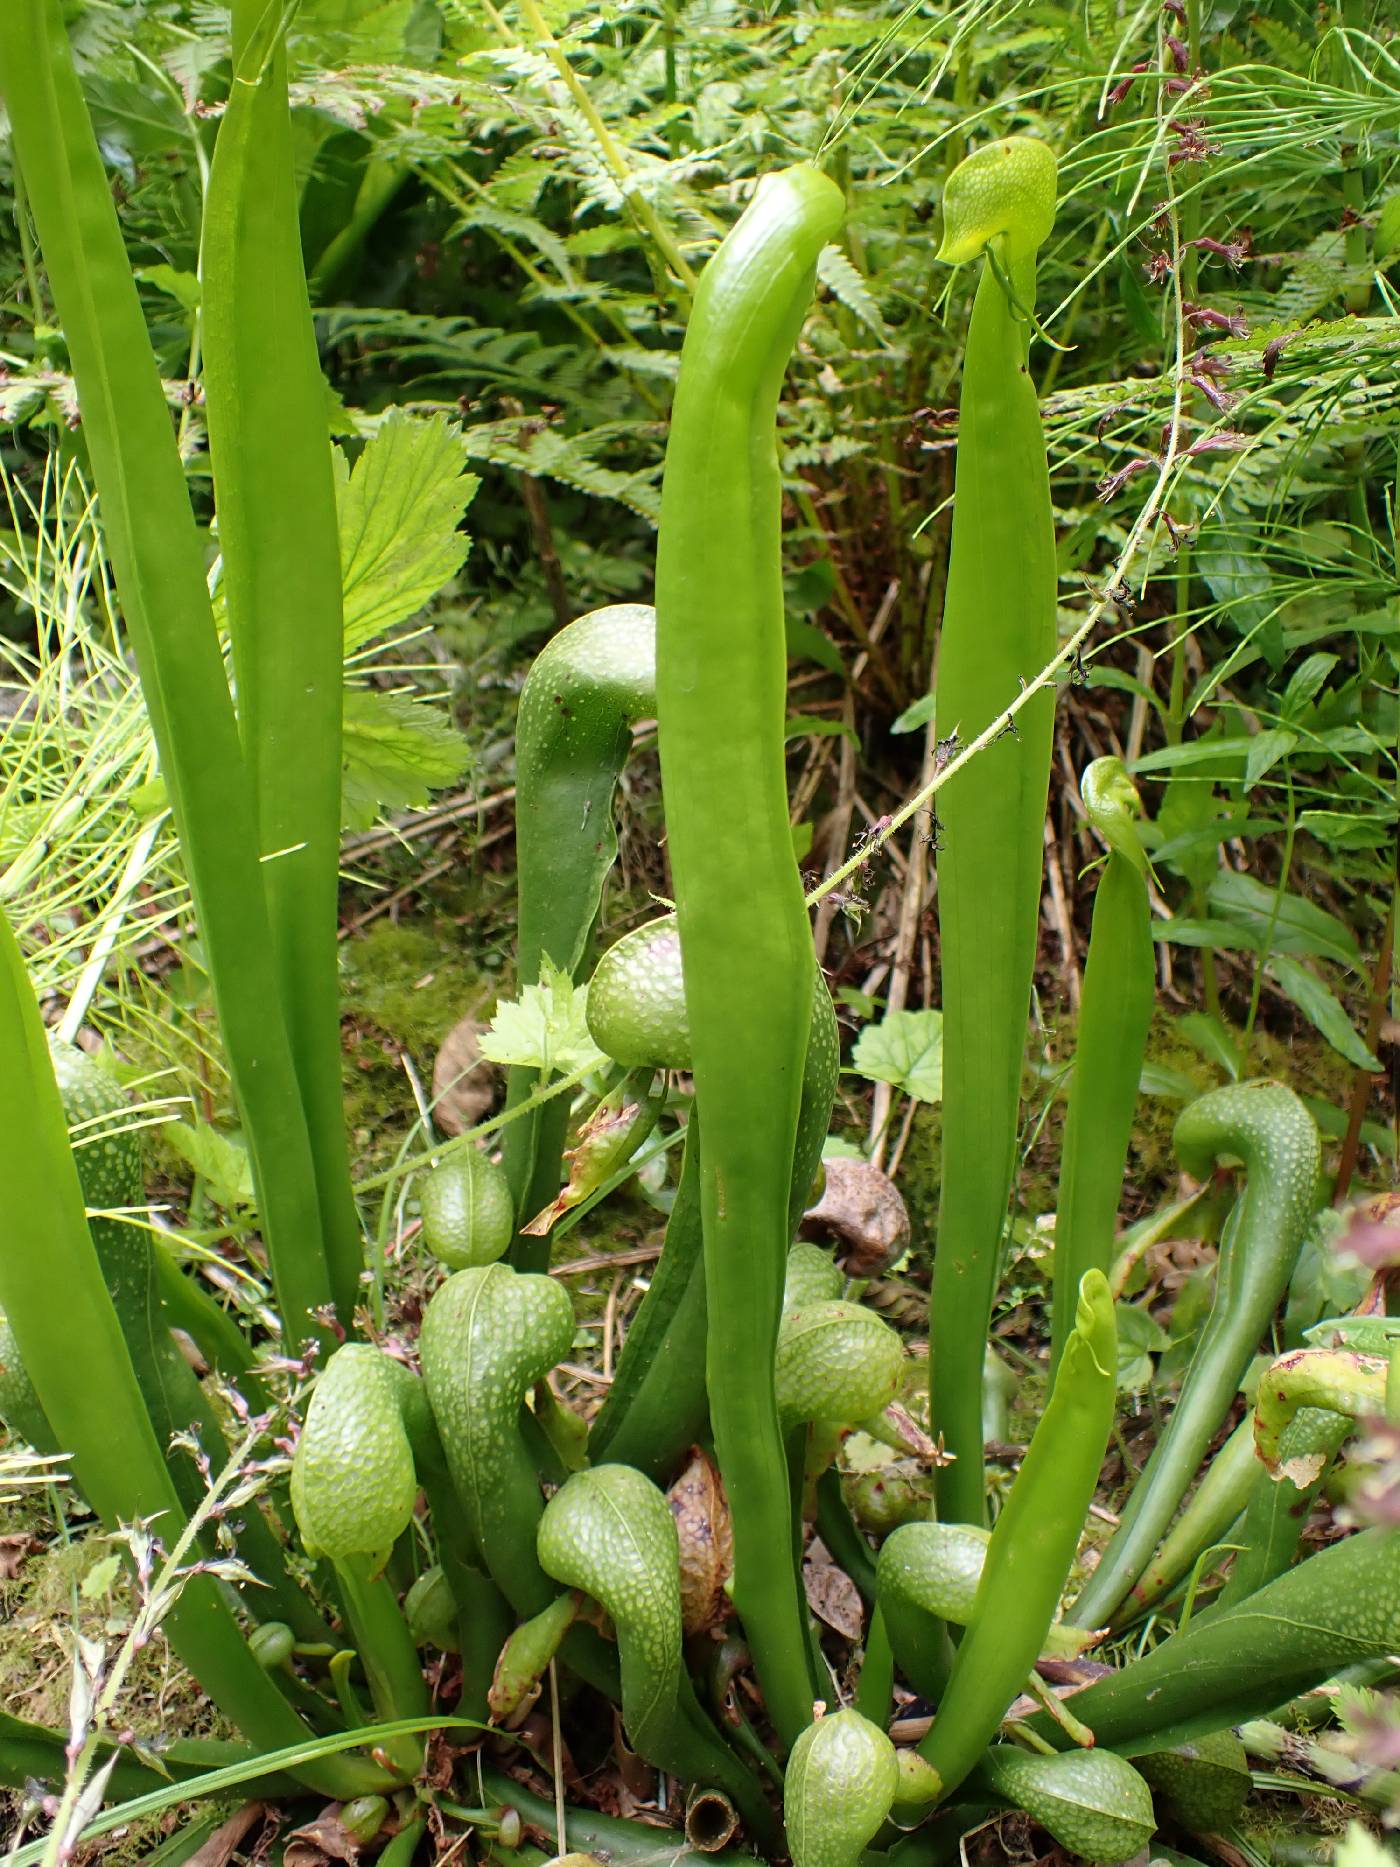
(157, 557)
(269, 444)
(1320, 1005)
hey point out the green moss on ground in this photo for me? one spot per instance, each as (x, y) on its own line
(66, 1586)
(63, 1585)
(404, 984)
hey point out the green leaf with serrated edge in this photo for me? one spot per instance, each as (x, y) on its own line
(400, 513)
(1139, 1338)
(1184, 930)
(1305, 683)
(1321, 1008)
(100, 1577)
(806, 642)
(906, 1049)
(397, 751)
(1210, 751)
(546, 1028)
(1172, 1085)
(1341, 829)
(183, 287)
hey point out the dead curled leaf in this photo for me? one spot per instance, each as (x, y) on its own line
(860, 1208)
(831, 1594)
(324, 1839)
(13, 1550)
(701, 1511)
(1372, 1236)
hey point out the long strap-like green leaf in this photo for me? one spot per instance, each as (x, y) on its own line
(269, 444)
(52, 1292)
(1033, 1543)
(149, 531)
(998, 631)
(745, 943)
(1114, 1013)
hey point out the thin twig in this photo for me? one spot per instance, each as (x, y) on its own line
(610, 1324)
(558, 1758)
(1059, 908)
(415, 823)
(605, 1260)
(385, 904)
(536, 505)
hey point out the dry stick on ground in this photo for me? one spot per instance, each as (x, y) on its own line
(906, 1128)
(416, 823)
(610, 1323)
(387, 903)
(911, 910)
(807, 786)
(1046, 677)
(838, 823)
(847, 604)
(1059, 913)
(605, 1260)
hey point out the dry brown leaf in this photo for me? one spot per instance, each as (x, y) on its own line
(701, 1511)
(861, 1209)
(464, 1084)
(1372, 1236)
(224, 1843)
(831, 1594)
(13, 1550)
(324, 1839)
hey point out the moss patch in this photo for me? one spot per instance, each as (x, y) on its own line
(66, 1587)
(404, 985)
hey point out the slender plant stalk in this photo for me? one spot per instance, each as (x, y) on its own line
(1114, 1013)
(156, 555)
(998, 631)
(269, 444)
(745, 943)
(1033, 1544)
